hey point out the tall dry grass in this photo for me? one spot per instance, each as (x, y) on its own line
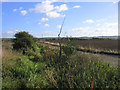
(8, 53)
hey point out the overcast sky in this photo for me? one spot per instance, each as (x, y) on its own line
(45, 18)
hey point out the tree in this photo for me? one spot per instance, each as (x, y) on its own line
(23, 40)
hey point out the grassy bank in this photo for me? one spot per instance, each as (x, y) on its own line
(42, 68)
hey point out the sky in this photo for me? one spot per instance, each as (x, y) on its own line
(44, 19)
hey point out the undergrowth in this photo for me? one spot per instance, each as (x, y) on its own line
(40, 67)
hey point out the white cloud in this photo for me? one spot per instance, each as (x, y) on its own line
(14, 10)
(58, 26)
(50, 10)
(53, 14)
(111, 24)
(9, 33)
(43, 7)
(76, 6)
(23, 12)
(60, 8)
(50, 33)
(80, 29)
(89, 21)
(20, 8)
(114, 2)
(42, 20)
(78, 32)
(106, 31)
(46, 25)
(93, 31)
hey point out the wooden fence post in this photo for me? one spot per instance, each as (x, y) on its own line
(59, 38)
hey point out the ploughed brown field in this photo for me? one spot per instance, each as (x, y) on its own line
(92, 43)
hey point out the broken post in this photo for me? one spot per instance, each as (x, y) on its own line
(59, 39)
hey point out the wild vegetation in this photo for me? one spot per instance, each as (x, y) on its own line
(34, 65)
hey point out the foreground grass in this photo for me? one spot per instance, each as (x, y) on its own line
(8, 53)
(42, 68)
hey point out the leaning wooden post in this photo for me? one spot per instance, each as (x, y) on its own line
(59, 39)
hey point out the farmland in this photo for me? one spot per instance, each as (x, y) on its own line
(106, 44)
(42, 68)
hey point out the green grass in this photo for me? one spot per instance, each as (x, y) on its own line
(42, 68)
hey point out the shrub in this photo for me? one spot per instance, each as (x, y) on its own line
(41, 47)
(68, 49)
(30, 52)
(23, 40)
(38, 58)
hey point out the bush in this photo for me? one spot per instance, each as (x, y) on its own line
(30, 52)
(23, 40)
(68, 49)
(41, 47)
(38, 58)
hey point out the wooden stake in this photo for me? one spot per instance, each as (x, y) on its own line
(60, 38)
